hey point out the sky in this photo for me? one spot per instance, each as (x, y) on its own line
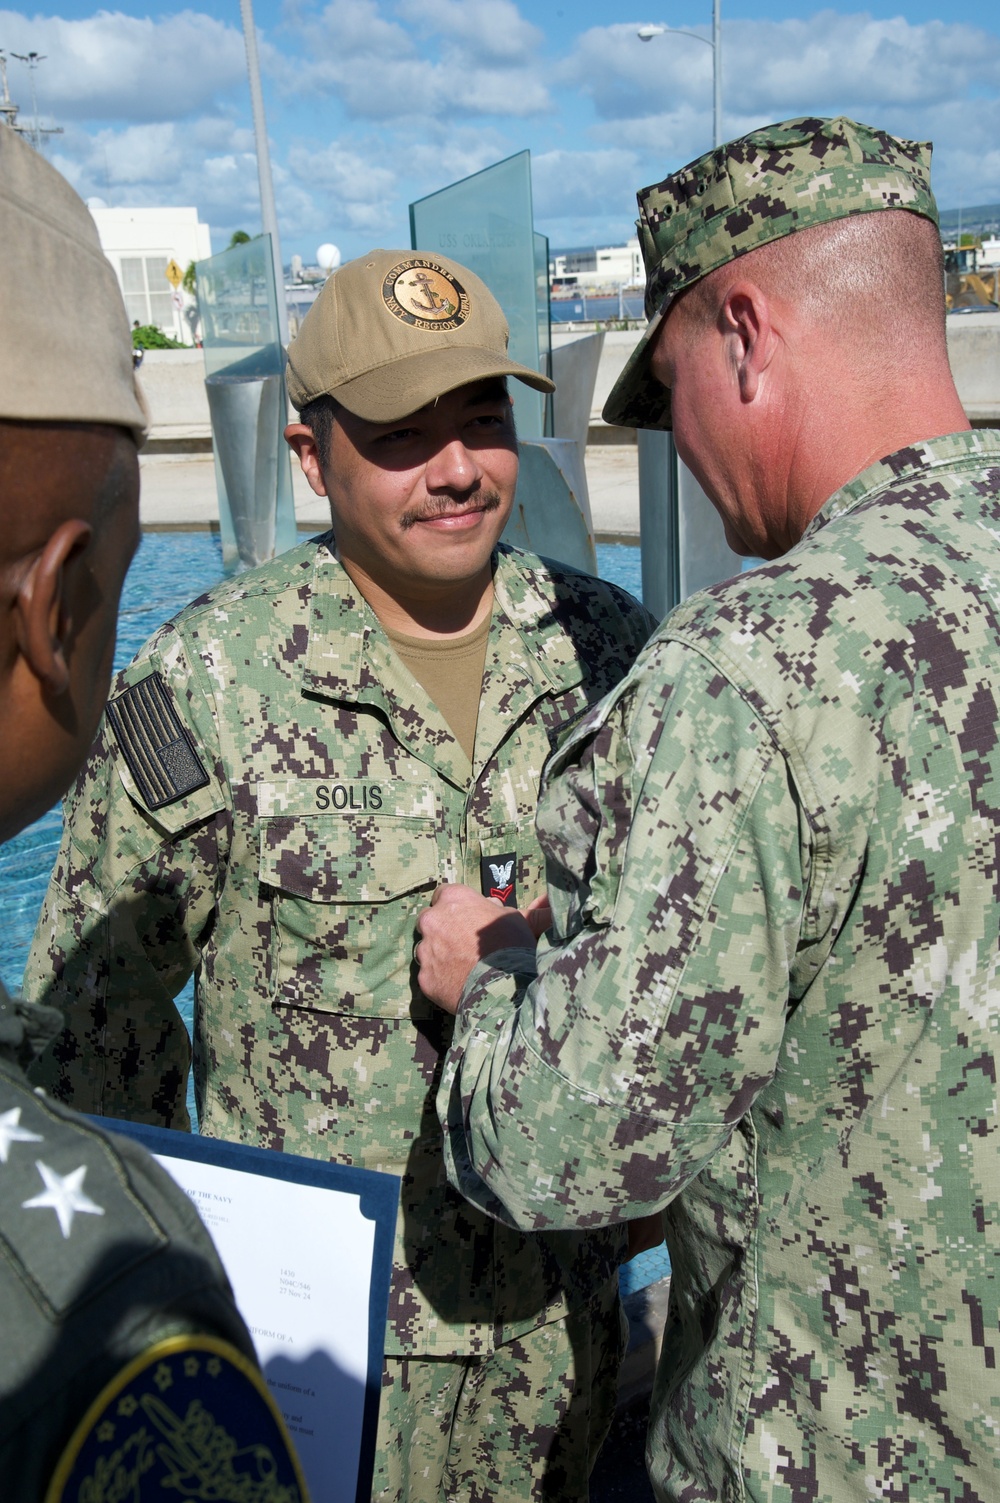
(373, 103)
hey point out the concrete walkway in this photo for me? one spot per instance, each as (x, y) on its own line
(178, 493)
(613, 481)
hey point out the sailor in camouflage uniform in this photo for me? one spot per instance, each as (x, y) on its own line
(285, 773)
(769, 999)
(110, 1289)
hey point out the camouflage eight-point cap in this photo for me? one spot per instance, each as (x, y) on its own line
(768, 184)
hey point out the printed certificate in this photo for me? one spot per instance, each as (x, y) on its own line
(308, 1249)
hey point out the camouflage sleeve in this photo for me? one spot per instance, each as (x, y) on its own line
(638, 624)
(608, 1078)
(131, 895)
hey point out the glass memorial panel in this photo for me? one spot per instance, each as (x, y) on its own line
(245, 381)
(239, 313)
(485, 222)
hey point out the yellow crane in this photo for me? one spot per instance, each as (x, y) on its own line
(965, 286)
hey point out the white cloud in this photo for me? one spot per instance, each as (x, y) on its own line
(669, 138)
(582, 184)
(447, 154)
(473, 58)
(832, 61)
(153, 164)
(354, 29)
(931, 80)
(965, 167)
(374, 103)
(491, 31)
(343, 171)
(112, 66)
(776, 69)
(341, 188)
(625, 77)
(358, 186)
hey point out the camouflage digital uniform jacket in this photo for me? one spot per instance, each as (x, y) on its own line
(772, 1002)
(335, 799)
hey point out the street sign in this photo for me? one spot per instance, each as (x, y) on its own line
(174, 274)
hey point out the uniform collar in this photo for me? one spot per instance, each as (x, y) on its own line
(528, 602)
(950, 452)
(343, 631)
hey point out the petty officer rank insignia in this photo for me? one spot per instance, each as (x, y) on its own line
(498, 875)
(156, 747)
(190, 1418)
(421, 293)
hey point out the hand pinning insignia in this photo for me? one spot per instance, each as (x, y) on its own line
(63, 1194)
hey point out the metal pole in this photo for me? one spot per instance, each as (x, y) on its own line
(269, 220)
(36, 140)
(647, 32)
(659, 522)
(717, 69)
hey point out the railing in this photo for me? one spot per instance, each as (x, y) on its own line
(597, 305)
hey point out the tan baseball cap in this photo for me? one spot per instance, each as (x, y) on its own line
(66, 340)
(768, 184)
(395, 329)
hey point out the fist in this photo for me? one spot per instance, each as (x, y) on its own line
(459, 929)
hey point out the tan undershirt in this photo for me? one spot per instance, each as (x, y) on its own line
(450, 671)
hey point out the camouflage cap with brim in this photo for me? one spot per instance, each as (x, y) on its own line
(394, 330)
(744, 194)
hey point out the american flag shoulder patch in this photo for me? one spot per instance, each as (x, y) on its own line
(157, 749)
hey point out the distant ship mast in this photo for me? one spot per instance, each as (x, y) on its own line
(8, 109)
(34, 130)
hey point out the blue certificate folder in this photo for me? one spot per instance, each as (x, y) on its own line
(337, 1454)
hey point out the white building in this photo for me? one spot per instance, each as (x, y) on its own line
(139, 243)
(612, 265)
(989, 254)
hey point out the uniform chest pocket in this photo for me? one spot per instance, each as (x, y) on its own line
(345, 895)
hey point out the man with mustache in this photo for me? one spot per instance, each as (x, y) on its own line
(285, 774)
(768, 1001)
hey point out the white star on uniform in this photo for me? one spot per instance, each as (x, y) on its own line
(11, 1131)
(62, 1194)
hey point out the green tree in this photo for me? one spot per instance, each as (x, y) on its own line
(149, 337)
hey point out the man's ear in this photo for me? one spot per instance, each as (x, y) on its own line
(43, 623)
(301, 439)
(746, 315)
